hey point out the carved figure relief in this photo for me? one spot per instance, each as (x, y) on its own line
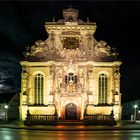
(71, 42)
(103, 48)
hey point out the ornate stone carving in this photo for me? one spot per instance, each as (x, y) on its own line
(103, 48)
(116, 80)
(71, 41)
(117, 74)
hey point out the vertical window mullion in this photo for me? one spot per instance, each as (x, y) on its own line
(42, 89)
(38, 90)
(101, 89)
(35, 84)
(104, 90)
(98, 89)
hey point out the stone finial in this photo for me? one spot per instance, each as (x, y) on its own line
(87, 19)
(53, 18)
(70, 14)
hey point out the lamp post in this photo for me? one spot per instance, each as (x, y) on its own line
(135, 112)
(139, 115)
(6, 108)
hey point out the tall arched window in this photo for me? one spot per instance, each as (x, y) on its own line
(102, 88)
(39, 88)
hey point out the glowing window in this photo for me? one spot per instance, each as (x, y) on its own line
(39, 88)
(103, 88)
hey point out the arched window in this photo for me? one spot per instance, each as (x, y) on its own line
(70, 78)
(39, 88)
(102, 88)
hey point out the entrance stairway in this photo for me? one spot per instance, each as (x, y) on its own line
(70, 122)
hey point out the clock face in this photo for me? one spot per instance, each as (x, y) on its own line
(71, 42)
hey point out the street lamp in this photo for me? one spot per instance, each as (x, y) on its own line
(6, 108)
(135, 112)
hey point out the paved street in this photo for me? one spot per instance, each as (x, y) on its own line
(125, 130)
(73, 126)
(22, 134)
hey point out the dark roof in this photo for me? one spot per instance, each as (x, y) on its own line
(6, 96)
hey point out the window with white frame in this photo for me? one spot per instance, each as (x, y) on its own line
(39, 88)
(102, 88)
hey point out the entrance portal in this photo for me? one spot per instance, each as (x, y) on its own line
(71, 112)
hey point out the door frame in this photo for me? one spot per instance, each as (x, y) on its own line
(74, 110)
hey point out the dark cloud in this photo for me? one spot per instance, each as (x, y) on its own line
(10, 70)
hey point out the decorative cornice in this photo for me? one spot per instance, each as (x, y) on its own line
(87, 63)
(70, 27)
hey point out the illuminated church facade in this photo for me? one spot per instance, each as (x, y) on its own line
(70, 73)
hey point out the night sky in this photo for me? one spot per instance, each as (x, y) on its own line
(118, 23)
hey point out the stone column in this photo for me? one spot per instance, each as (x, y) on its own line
(24, 88)
(117, 96)
(87, 83)
(54, 83)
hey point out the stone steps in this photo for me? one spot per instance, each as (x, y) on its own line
(70, 122)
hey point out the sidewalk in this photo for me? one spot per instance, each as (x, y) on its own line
(123, 125)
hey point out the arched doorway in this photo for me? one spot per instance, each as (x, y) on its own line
(70, 112)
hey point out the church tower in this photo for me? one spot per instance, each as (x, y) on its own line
(70, 74)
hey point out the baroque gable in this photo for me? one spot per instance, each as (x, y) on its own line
(71, 46)
(70, 39)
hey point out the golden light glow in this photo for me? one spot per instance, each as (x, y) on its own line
(70, 73)
(42, 110)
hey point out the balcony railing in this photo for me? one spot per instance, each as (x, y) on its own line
(99, 119)
(41, 119)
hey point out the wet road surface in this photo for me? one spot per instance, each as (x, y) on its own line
(21, 134)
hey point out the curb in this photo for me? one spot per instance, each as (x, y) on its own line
(71, 129)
